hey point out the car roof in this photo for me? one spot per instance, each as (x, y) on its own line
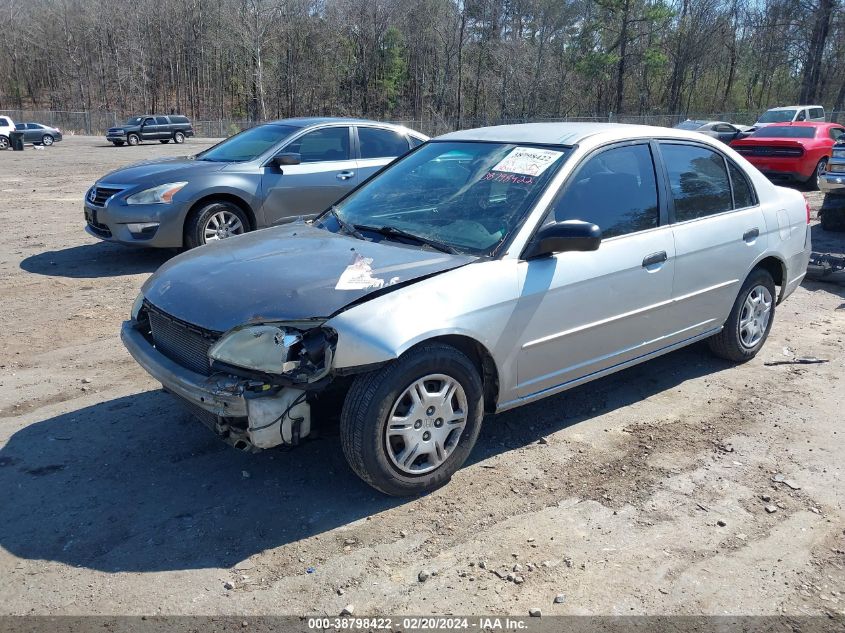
(303, 122)
(794, 107)
(806, 124)
(564, 133)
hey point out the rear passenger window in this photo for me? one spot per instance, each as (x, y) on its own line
(615, 189)
(4, 122)
(376, 143)
(699, 181)
(162, 120)
(817, 113)
(743, 193)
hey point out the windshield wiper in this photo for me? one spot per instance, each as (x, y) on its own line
(347, 228)
(392, 231)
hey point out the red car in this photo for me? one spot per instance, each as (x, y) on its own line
(795, 151)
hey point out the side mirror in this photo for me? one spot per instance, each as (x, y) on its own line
(283, 160)
(559, 237)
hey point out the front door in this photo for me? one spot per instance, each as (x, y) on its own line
(326, 173)
(149, 129)
(589, 311)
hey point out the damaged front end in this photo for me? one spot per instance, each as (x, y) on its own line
(253, 385)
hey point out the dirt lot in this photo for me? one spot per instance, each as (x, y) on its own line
(642, 493)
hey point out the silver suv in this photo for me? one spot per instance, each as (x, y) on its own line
(485, 270)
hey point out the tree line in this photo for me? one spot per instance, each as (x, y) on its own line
(456, 60)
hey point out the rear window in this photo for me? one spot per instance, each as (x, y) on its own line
(689, 125)
(783, 131)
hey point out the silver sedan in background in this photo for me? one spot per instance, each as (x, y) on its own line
(485, 270)
(39, 134)
(265, 175)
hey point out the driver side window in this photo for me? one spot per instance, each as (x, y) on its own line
(326, 144)
(615, 189)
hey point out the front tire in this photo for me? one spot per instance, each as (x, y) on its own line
(133, 139)
(47, 140)
(750, 320)
(178, 138)
(215, 221)
(408, 427)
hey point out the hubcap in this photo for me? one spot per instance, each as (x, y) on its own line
(754, 319)
(426, 423)
(3, 143)
(819, 171)
(47, 140)
(221, 225)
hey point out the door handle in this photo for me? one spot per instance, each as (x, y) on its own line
(751, 234)
(345, 175)
(655, 258)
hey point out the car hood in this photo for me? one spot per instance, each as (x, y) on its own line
(287, 273)
(177, 169)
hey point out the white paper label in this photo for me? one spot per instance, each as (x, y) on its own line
(529, 161)
(359, 275)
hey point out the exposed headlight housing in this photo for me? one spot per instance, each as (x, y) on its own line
(162, 194)
(277, 349)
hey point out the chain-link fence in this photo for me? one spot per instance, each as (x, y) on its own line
(96, 123)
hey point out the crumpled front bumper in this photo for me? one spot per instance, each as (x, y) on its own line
(219, 394)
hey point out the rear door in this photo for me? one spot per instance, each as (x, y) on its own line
(327, 171)
(377, 147)
(163, 129)
(719, 230)
(590, 311)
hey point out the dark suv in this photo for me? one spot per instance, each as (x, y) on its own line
(151, 128)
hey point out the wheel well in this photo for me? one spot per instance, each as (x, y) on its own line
(482, 360)
(775, 268)
(220, 197)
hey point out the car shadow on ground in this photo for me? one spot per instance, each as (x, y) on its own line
(135, 484)
(97, 260)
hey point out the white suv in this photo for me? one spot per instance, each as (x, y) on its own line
(790, 114)
(7, 126)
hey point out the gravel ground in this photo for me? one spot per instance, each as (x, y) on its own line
(683, 486)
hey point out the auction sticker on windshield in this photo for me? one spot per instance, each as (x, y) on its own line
(529, 161)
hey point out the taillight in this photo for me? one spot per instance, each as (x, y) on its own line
(808, 209)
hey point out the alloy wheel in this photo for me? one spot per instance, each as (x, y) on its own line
(425, 424)
(755, 315)
(221, 225)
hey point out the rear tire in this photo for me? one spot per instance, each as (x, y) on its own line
(47, 140)
(4, 143)
(404, 445)
(813, 182)
(133, 139)
(750, 320)
(215, 217)
(178, 138)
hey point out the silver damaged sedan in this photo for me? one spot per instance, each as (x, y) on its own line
(486, 269)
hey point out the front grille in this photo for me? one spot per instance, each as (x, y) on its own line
(181, 342)
(770, 151)
(101, 194)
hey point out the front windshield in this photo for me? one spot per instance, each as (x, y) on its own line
(135, 120)
(467, 196)
(777, 116)
(249, 144)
